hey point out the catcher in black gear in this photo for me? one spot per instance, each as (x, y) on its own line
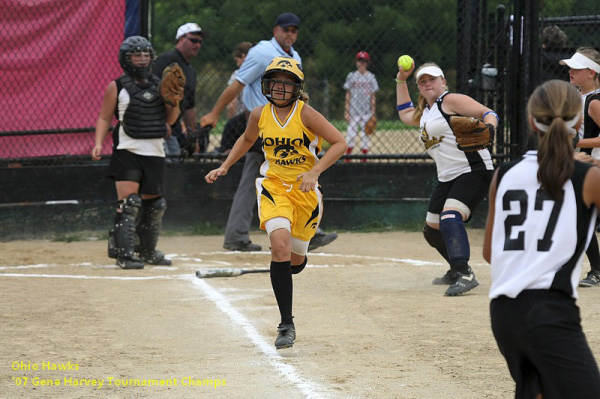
(137, 163)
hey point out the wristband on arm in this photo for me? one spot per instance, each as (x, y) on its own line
(491, 113)
(404, 106)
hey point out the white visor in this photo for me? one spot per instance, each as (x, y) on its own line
(580, 61)
(430, 70)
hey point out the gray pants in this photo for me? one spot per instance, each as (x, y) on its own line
(172, 147)
(244, 201)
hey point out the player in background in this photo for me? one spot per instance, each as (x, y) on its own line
(137, 163)
(237, 114)
(289, 198)
(360, 87)
(463, 177)
(584, 71)
(542, 212)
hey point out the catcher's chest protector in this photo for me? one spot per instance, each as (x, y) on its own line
(146, 115)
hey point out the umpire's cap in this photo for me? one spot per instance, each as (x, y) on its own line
(287, 19)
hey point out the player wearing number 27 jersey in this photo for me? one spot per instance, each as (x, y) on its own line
(542, 210)
(539, 242)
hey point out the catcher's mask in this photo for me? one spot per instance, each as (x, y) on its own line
(131, 45)
(288, 66)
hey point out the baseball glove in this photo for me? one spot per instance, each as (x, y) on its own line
(371, 125)
(471, 133)
(172, 84)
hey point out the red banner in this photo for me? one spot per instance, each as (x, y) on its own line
(58, 57)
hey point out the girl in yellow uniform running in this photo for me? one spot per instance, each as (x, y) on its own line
(289, 200)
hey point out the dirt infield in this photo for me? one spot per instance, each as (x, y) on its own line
(370, 324)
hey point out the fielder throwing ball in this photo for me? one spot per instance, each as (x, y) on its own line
(463, 176)
(289, 199)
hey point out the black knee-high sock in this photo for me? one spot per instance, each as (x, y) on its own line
(283, 287)
(593, 253)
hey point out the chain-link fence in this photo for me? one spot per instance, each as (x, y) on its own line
(55, 69)
(58, 59)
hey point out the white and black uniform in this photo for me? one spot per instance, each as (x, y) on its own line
(537, 249)
(440, 143)
(463, 176)
(589, 129)
(137, 159)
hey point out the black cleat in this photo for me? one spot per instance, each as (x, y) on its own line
(286, 335)
(129, 263)
(447, 279)
(592, 279)
(321, 239)
(464, 283)
(157, 258)
(242, 246)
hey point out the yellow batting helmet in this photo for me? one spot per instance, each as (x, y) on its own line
(283, 65)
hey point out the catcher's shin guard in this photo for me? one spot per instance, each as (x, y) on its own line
(148, 231)
(434, 239)
(456, 239)
(112, 246)
(123, 234)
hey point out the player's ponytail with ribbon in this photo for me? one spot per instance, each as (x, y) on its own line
(554, 109)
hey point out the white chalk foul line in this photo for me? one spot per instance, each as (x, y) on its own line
(310, 390)
(88, 277)
(414, 262)
(38, 266)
